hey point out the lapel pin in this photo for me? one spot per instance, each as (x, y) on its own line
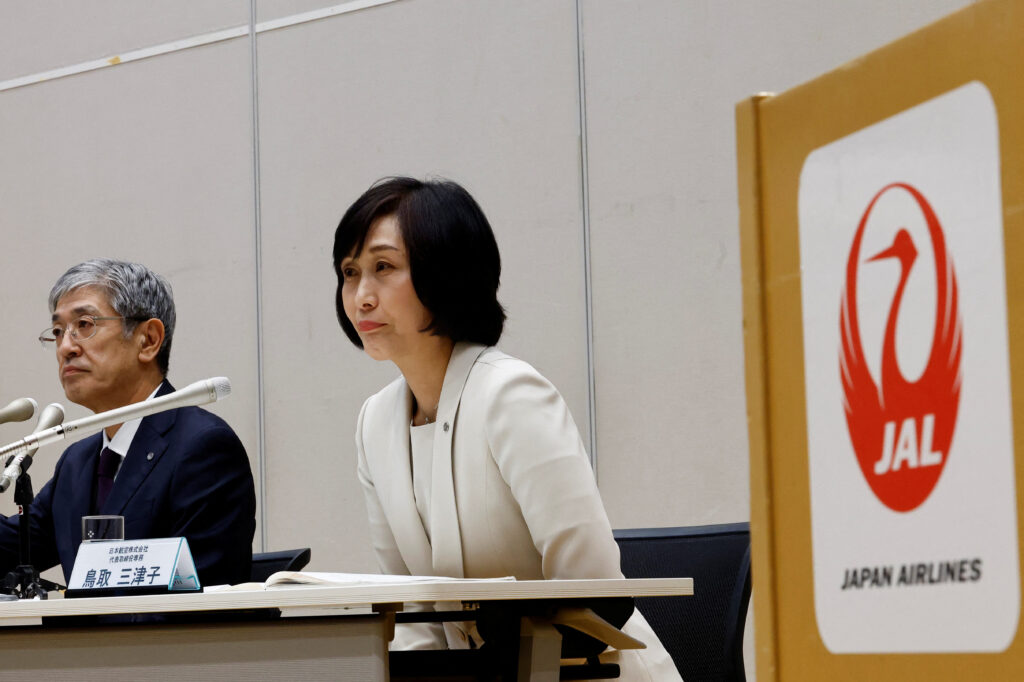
(149, 456)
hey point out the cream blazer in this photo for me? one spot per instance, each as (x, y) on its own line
(513, 492)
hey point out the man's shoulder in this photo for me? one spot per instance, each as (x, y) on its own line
(197, 436)
(196, 422)
(200, 417)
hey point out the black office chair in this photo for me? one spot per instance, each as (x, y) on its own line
(266, 564)
(702, 633)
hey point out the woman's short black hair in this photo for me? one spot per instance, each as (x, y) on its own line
(453, 256)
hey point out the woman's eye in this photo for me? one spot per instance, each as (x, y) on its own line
(348, 273)
(383, 266)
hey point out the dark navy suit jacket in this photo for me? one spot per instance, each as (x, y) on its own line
(185, 475)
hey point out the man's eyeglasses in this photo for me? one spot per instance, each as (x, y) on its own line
(80, 329)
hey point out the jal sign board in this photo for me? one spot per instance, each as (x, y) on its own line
(910, 439)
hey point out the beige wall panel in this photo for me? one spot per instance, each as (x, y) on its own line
(47, 34)
(148, 161)
(661, 81)
(483, 93)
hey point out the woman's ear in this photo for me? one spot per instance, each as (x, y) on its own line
(150, 337)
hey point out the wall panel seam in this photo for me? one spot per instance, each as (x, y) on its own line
(261, 458)
(588, 294)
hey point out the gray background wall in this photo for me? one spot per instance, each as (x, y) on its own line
(597, 135)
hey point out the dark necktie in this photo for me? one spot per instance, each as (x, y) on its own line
(109, 462)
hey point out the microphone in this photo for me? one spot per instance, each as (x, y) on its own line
(19, 410)
(198, 393)
(52, 415)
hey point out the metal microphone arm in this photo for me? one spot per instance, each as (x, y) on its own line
(198, 393)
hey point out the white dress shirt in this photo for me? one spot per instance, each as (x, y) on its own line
(122, 440)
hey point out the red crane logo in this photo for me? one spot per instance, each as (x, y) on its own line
(901, 431)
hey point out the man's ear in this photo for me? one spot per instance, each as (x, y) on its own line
(150, 336)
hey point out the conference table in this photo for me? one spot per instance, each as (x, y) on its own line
(325, 632)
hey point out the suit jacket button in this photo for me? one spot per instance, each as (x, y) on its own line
(446, 427)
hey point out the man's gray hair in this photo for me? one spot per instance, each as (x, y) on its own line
(135, 292)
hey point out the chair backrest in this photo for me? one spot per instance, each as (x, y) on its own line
(266, 564)
(703, 633)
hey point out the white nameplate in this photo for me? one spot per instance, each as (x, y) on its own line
(132, 565)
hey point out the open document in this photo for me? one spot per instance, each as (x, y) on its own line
(285, 579)
(341, 579)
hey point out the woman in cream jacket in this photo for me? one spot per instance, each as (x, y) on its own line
(470, 462)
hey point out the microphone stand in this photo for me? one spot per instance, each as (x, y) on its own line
(23, 581)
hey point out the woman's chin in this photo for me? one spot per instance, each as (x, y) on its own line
(376, 352)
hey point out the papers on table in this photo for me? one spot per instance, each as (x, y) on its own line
(286, 579)
(341, 579)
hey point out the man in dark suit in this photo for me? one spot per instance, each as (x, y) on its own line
(180, 473)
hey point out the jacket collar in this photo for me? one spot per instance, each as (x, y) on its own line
(398, 495)
(441, 553)
(445, 534)
(147, 447)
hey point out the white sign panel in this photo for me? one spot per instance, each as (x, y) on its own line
(913, 501)
(133, 565)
